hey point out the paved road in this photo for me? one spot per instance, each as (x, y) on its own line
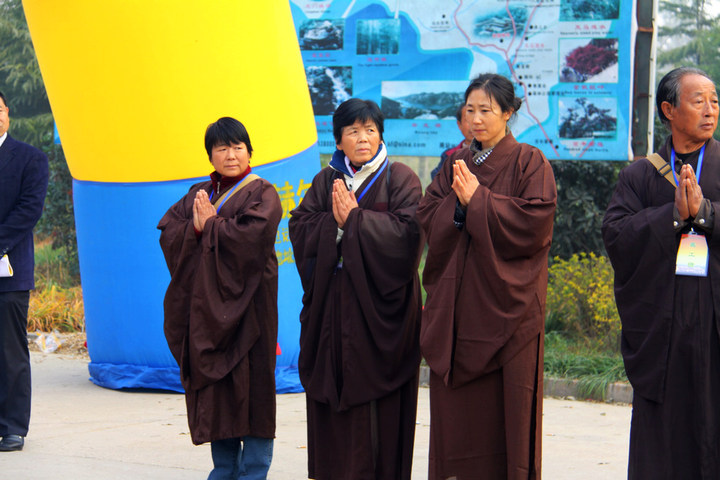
(81, 431)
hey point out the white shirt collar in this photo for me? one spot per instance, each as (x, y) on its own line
(368, 169)
(2, 138)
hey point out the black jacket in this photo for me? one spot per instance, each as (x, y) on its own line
(23, 184)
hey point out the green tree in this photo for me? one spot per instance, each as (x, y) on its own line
(689, 37)
(20, 78)
(31, 121)
(584, 190)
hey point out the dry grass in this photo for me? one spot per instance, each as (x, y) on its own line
(56, 305)
(56, 308)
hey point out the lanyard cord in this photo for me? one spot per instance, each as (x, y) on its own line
(699, 165)
(362, 194)
(227, 195)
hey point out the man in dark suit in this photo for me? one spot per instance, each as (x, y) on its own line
(23, 184)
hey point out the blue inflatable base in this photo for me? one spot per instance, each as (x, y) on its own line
(125, 276)
(287, 380)
(110, 375)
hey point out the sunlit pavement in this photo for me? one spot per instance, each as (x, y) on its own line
(81, 431)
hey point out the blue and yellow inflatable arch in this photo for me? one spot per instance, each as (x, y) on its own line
(133, 85)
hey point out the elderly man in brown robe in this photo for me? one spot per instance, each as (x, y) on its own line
(659, 216)
(221, 305)
(488, 218)
(357, 246)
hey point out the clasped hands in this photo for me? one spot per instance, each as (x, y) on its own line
(688, 194)
(464, 182)
(343, 200)
(202, 210)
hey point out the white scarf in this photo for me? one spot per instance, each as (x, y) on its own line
(359, 177)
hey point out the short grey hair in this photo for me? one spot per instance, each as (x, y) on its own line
(669, 89)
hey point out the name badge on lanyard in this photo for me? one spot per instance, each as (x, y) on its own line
(692, 256)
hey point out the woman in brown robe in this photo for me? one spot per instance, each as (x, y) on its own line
(221, 305)
(488, 217)
(357, 245)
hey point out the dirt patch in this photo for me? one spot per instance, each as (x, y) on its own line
(72, 344)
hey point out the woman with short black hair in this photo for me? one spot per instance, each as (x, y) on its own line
(357, 245)
(221, 314)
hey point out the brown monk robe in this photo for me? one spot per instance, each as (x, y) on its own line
(671, 333)
(359, 352)
(482, 329)
(221, 310)
(670, 341)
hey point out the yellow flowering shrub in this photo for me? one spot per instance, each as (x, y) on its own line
(580, 300)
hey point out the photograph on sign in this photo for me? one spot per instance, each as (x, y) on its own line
(571, 63)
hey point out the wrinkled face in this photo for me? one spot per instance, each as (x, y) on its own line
(230, 160)
(4, 118)
(694, 119)
(487, 120)
(360, 142)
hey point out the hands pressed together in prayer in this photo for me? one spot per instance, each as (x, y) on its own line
(688, 194)
(202, 210)
(343, 201)
(464, 183)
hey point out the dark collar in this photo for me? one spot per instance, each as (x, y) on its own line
(220, 183)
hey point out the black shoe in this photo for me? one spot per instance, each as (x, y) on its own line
(11, 443)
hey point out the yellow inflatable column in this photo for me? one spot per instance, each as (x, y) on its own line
(133, 84)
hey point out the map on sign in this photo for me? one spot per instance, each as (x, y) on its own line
(570, 60)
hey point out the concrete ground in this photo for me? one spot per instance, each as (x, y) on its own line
(81, 431)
